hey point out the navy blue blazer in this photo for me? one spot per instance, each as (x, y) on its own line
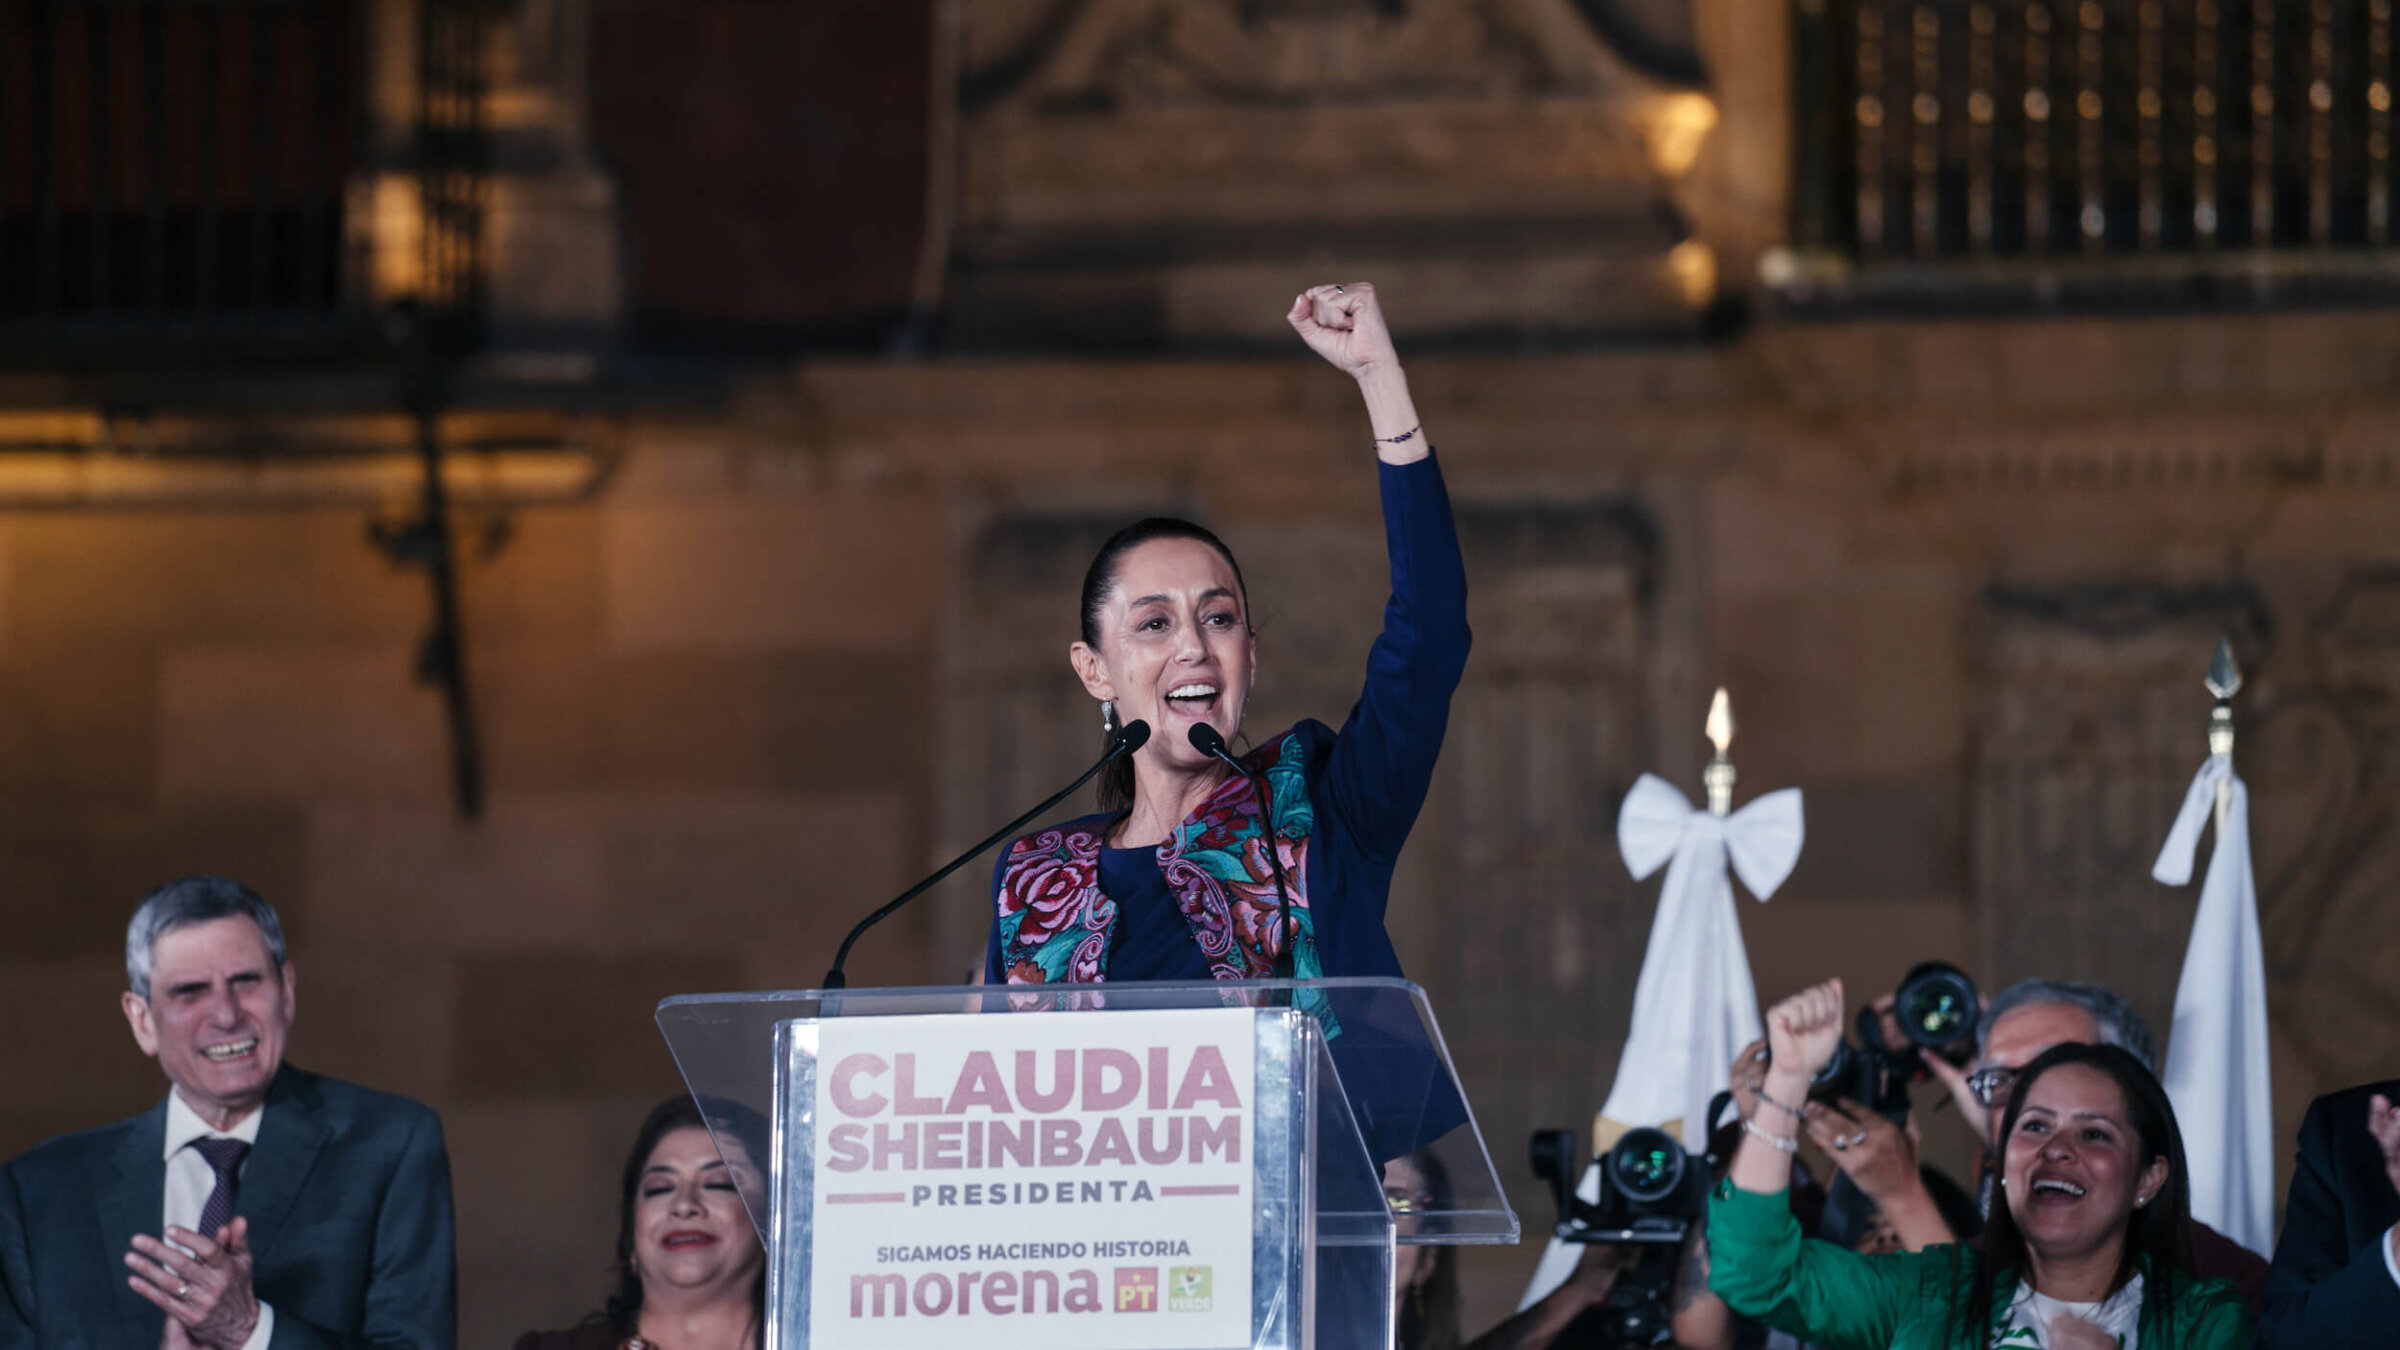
(348, 1196)
(2329, 1287)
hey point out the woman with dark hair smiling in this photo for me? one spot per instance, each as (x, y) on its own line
(2088, 1252)
(1185, 872)
(690, 1273)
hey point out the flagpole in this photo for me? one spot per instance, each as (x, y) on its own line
(2219, 1063)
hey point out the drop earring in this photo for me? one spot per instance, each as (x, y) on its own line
(1108, 717)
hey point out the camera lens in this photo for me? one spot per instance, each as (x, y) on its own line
(1937, 1006)
(1646, 1165)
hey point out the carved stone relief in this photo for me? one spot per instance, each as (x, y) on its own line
(2094, 719)
(2324, 771)
(2090, 726)
(1135, 162)
(1118, 53)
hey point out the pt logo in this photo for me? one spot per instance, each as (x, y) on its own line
(1188, 1289)
(1137, 1289)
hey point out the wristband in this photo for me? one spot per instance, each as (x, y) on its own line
(1781, 1143)
(1408, 435)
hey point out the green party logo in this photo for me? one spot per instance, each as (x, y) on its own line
(1189, 1289)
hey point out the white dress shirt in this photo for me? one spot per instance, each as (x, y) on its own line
(190, 1180)
(2391, 1252)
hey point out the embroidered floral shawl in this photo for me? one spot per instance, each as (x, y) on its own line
(1055, 924)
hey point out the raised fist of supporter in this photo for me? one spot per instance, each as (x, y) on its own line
(1804, 1030)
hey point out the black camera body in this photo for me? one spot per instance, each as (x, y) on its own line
(1650, 1189)
(1651, 1193)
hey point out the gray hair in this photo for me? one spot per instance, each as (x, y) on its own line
(191, 900)
(2119, 1024)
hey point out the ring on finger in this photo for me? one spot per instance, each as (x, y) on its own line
(183, 1291)
(1341, 290)
(1840, 1142)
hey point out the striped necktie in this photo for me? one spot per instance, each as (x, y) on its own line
(225, 1157)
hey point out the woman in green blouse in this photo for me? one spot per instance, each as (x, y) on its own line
(2088, 1252)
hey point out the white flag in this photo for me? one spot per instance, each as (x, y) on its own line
(2217, 1073)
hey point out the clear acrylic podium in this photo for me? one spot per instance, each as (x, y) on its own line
(819, 1102)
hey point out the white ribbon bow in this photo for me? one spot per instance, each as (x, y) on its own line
(1694, 1007)
(2217, 1063)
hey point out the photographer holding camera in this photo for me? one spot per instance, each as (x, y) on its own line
(1876, 1154)
(1861, 1115)
(1560, 1316)
(1649, 1197)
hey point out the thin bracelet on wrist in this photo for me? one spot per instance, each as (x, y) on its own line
(1793, 1111)
(1408, 435)
(1781, 1143)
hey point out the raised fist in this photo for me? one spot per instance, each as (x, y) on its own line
(1344, 324)
(1804, 1030)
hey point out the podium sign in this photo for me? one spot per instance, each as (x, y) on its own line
(1140, 1166)
(1029, 1183)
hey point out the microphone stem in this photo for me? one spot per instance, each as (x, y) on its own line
(1286, 960)
(835, 979)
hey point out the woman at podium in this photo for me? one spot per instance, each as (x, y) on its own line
(1189, 870)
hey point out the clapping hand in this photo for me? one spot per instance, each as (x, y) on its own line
(2383, 1121)
(207, 1292)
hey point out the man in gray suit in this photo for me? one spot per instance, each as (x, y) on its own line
(260, 1206)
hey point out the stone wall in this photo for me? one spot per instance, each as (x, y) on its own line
(1962, 580)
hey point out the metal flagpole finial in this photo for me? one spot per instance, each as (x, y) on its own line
(2224, 681)
(1718, 778)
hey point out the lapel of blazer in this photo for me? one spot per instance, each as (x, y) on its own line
(290, 1136)
(133, 1199)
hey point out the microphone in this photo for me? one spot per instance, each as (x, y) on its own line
(1208, 741)
(1130, 737)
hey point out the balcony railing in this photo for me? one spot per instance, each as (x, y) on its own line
(188, 171)
(1942, 131)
